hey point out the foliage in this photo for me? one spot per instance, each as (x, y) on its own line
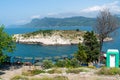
(32, 72)
(60, 63)
(109, 71)
(92, 46)
(74, 63)
(6, 44)
(44, 78)
(55, 70)
(106, 24)
(67, 63)
(47, 64)
(88, 51)
(44, 32)
(81, 55)
(75, 70)
(35, 72)
(19, 78)
(60, 78)
(92, 67)
(54, 78)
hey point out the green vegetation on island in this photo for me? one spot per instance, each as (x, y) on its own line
(62, 33)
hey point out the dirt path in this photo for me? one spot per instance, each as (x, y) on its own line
(8, 74)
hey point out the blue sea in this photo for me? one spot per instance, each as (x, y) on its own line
(33, 50)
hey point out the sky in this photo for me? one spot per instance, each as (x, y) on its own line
(23, 11)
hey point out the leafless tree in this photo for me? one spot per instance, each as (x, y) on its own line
(106, 24)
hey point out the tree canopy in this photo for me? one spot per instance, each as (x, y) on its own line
(6, 44)
(106, 24)
(88, 51)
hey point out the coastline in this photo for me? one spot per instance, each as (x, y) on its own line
(51, 40)
(55, 38)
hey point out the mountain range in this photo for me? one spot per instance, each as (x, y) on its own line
(53, 22)
(71, 21)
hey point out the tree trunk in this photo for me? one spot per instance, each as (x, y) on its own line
(101, 44)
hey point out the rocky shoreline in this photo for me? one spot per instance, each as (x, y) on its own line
(55, 38)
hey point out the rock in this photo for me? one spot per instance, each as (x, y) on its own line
(57, 38)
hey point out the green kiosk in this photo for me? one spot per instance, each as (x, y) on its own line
(112, 58)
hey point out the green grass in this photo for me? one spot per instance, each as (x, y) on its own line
(45, 78)
(44, 32)
(109, 71)
(55, 70)
(19, 78)
(54, 78)
(76, 70)
(32, 72)
(68, 34)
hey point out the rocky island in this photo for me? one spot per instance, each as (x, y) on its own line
(51, 37)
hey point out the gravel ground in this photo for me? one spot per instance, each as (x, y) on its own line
(8, 74)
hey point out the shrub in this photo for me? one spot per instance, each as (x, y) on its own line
(55, 78)
(47, 64)
(109, 71)
(19, 78)
(60, 78)
(35, 72)
(74, 63)
(60, 63)
(32, 72)
(44, 78)
(92, 67)
(52, 71)
(68, 63)
(75, 70)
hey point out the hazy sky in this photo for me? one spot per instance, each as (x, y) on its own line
(22, 11)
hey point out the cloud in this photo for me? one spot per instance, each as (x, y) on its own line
(91, 11)
(35, 16)
(114, 7)
(61, 15)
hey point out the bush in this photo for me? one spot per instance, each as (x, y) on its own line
(60, 63)
(44, 78)
(35, 72)
(60, 78)
(52, 71)
(74, 63)
(47, 64)
(75, 70)
(68, 63)
(19, 78)
(92, 67)
(109, 71)
(55, 78)
(32, 72)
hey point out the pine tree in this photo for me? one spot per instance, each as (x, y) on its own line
(88, 51)
(6, 44)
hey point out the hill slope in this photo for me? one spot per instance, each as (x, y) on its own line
(72, 21)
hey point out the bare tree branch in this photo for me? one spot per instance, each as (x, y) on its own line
(106, 24)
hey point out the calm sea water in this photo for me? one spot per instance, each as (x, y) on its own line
(29, 50)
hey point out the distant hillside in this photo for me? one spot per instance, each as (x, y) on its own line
(72, 21)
